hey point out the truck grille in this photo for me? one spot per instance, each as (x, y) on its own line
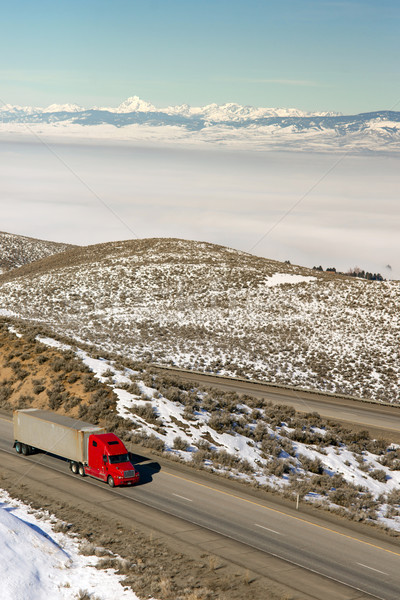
(128, 474)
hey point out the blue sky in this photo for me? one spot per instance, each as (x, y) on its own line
(310, 54)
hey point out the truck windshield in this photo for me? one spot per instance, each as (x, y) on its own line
(118, 458)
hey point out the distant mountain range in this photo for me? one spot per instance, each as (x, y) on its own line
(230, 112)
(223, 124)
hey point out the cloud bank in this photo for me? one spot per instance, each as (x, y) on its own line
(95, 192)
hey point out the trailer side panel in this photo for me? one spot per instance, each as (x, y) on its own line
(54, 433)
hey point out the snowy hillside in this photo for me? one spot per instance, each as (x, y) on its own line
(201, 306)
(227, 124)
(134, 104)
(38, 562)
(18, 250)
(237, 436)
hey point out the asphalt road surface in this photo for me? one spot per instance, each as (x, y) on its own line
(322, 557)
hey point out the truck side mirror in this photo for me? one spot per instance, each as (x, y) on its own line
(104, 458)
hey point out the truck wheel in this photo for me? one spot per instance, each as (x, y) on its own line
(18, 447)
(74, 468)
(110, 481)
(25, 450)
(81, 470)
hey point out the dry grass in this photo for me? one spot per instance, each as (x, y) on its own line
(48, 384)
(207, 307)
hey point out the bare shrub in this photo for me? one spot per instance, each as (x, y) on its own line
(287, 446)
(58, 364)
(393, 497)
(90, 383)
(278, 467)
(73, 377)
(20, 373)
(391, 459)
(270, 446)
(57, 396)
(379, 475)
(108, 373)
(42, 358)
(180, 443)
(351, 497)
(199, 457)
(154, 442)
(87, 549)
(313, 465)
(24, 401)
(221, 421)
(37, 386)
(304, 436)
(147, 413)
(6, 391)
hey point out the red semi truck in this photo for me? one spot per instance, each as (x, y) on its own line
(88, 448)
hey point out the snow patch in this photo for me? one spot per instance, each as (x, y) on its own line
(281, 278)
(37, 563)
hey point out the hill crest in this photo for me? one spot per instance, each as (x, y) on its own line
(19, 250)
(205, 307)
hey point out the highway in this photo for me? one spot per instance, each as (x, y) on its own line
(324, 558)
(379, 419)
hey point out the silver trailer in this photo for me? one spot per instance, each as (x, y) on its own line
(52, 433)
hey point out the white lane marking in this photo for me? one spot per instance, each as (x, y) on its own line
(100, 485)
(183, 497)
(372, 568)
(268, 529)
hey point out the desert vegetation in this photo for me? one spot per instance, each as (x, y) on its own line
(35, 375)
(266, 445)
(18, 250)
(281, 450)
(213, 309)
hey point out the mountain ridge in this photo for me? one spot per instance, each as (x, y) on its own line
(19, 250)
(229, 124)
(136, 104)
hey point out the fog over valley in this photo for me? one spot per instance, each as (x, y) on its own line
(83, 193)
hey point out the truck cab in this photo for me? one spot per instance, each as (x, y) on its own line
(109, 460)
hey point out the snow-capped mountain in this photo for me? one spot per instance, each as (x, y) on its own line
(226, 124)
(229, 111)
(54, 108)
(133, 104)
(236, 112)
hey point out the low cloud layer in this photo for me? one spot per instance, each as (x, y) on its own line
(86, 193)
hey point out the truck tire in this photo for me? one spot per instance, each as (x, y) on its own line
(25, 450)
(18, 447)
(74, 468)
(110, 481)
(81, 470)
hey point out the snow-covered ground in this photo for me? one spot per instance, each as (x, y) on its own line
(205, 307)
(18, 250)
(184, 435)
(39, 563)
